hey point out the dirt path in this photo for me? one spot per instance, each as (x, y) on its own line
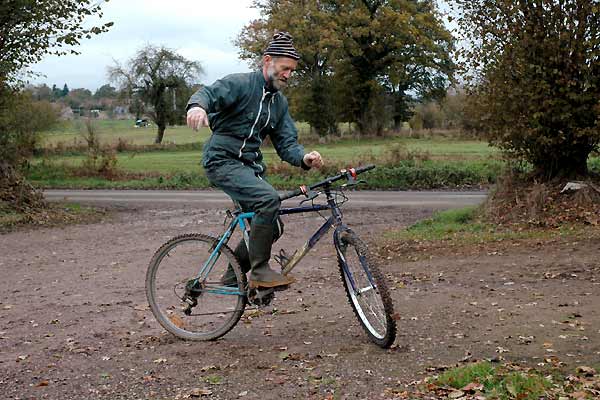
(74, 322)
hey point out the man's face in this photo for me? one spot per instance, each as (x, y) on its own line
(279, 70)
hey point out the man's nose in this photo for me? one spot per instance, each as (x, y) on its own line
(286, 74)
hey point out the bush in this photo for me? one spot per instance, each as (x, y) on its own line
(21, 120)
(535, 74)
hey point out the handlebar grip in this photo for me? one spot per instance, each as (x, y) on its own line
(366, 168)
(291, 194)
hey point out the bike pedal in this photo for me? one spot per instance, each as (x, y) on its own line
(261, 297)
(282, 258)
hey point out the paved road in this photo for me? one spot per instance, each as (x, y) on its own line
(210, 198)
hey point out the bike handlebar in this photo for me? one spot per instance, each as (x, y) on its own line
(349, 174)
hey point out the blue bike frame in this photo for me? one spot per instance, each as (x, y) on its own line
(243, 220)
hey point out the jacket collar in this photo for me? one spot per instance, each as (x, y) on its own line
(263, 83)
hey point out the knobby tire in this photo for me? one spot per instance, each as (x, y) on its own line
(172, 318)
(381, 329)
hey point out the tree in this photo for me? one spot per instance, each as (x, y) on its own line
(79, 98)
(30, 29)
(21, 120)
(534, 73)
(311, 24)
(394, 47)
(105, 92)
(366, 53)
(155, 76)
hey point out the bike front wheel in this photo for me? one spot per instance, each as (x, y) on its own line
(366, 289)
(185, 290)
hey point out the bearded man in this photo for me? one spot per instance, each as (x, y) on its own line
(242, 110)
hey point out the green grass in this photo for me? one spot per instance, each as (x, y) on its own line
(404, 175)
(461, 227)
(71, 133)
(110, 131)
(445, 224)
(51, 215)
(498, 383)
(439, 148)
(403, 163)
(460, 377)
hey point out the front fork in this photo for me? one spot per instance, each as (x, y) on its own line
(339, 236)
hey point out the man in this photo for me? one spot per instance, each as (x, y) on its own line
(241, 110)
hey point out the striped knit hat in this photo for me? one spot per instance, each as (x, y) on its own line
(282, 45)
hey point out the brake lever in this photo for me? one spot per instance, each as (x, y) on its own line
(353, 182)
(311, 195)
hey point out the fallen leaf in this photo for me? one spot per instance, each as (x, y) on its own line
(472, 387)
(160, 361)
(43, 383)
(177, 321)
(586, 371)
(200, 392)
(579, 395)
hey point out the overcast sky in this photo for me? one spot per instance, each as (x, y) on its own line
(199, 30)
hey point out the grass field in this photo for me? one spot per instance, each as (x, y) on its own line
(71, 133)
(403, 162)
(347, 151)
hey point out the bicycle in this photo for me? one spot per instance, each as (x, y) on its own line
(193, 304)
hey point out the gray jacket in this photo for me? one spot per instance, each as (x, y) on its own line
(241, 113)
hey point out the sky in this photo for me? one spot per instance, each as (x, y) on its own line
(199, 30)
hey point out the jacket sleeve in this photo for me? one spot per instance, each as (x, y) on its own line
(217, 96)
(285, 141)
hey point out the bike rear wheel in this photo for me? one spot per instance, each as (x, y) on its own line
(188, 304)
(366, 289)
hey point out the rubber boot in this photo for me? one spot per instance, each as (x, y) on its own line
(261, 275)
(241, 253)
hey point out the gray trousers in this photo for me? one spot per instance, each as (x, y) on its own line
(244, 185)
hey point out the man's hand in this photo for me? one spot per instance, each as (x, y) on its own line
(197, 118)
(313, 159)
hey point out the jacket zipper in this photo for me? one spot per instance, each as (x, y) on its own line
(255, 122)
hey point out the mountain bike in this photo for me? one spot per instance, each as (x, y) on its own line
(183, 281)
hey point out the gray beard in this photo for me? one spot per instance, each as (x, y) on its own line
(273, 82)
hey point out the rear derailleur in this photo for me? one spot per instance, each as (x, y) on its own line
(193, 289)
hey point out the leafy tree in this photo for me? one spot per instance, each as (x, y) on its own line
(105, 92)
(534, 75)
(311, 24)
(31, 29)
(155, 76)
(79, 97)
(65, 91)
(367, 53)
(40, 92)
(396, 47)
(21, 120)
